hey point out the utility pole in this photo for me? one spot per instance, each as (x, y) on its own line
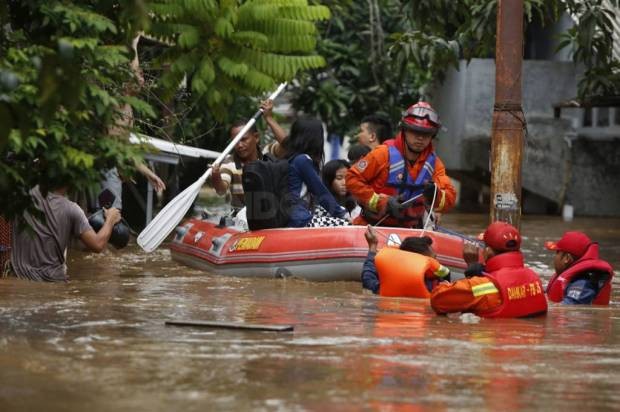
(508, 119)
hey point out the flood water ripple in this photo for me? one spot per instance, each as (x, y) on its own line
(99, 342)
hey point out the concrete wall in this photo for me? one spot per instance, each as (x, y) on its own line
(466, 97)
(558, 163)
(594, 188)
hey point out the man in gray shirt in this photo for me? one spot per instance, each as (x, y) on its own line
(39, 252)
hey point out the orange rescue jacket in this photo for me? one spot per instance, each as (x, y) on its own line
(367, 178)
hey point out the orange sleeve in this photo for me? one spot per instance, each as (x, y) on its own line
(370, 169)
(458, 297)
(447, 199)
(436, 270)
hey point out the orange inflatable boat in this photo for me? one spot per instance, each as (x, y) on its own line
(318, 254)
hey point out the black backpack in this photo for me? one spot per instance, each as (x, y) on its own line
(265, 188)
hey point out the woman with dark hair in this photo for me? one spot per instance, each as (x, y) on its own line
(333, 174)
(312, 204)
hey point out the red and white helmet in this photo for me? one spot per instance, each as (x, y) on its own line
(421, 117)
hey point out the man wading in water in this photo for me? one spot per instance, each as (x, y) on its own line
(39, 252)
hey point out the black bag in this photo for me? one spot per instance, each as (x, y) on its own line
(265, 188)
(120, 233)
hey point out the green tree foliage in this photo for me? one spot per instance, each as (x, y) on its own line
(65, 75)
(591, 43)
(359, 78)
(443, 31)
(63, 68)
(382, 55)
(225, 49)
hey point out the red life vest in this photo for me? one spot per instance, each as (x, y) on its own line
(556, 289)
(520, 288)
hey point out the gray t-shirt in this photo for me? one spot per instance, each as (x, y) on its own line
(40, 253)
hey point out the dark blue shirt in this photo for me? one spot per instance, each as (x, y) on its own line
(370, 279)
(583, 290)
(302, 171)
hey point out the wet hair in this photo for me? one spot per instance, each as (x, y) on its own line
(357, 151)
(379, 125)
(306, 137)
(239, 123)
(416, 244)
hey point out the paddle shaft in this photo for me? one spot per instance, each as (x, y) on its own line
(240, 135)
(170, 216)
(245, 128)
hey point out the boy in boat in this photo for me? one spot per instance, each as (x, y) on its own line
(394, 182)
(502, 287)
(581, 277)
(374, 130)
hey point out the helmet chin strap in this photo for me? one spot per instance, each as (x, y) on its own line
(410, 149)
(402, 132)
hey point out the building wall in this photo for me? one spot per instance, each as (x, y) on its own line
(466, 97)
(560, 161)
(594, 188)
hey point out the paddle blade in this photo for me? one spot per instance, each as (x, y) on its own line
(169, 217)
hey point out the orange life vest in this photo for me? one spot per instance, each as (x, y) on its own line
(401, 273)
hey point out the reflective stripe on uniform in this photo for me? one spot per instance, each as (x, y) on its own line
(442, 202)
(484, 289)
(372, 203)
(429, 168)
(442, 271)
(398, 166)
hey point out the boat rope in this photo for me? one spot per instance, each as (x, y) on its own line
(430, 213)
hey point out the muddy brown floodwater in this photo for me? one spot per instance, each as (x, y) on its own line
(99, 343)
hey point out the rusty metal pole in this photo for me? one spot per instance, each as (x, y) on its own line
(508, 119)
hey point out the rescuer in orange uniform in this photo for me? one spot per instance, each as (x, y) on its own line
(403, 170)
(503, 287)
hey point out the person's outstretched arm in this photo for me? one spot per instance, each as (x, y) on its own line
(278, 132)
(220, 179)
(308, 174)
(370, 277)
(96, 242)
(155, 180)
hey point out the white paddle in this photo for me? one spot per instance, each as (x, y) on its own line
(170, 216)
